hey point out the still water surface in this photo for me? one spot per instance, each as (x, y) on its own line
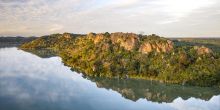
(40, 81)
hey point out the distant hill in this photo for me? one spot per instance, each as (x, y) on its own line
(14, 41)
(213, 43)
(130, 55)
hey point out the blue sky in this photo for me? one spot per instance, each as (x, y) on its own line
(168, 18)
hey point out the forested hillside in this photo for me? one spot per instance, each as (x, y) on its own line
(129, 55)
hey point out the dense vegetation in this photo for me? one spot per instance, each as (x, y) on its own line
(127, 55)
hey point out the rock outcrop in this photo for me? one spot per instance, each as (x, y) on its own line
(201, 50)
(127, 40)
(96, 38)
(131, 41)
(147, 47)
(67, 35)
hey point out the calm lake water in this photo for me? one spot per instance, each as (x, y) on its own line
(40, 81)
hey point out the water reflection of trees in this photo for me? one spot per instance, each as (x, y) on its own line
(153, 91)
(134, 89)
(43, 53)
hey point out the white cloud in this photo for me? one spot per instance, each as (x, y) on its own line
(82, 16)
(56, 27)
(178, 9)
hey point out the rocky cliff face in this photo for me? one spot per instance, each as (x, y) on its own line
(127, 40)
(131, 41)
(147, 47)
